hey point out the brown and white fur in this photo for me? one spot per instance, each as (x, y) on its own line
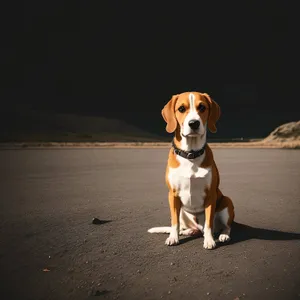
(194, 183)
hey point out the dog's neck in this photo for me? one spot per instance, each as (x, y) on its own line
(189, 143)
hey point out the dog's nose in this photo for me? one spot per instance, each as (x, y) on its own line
(194, 124)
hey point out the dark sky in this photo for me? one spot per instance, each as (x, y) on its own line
(126, 60)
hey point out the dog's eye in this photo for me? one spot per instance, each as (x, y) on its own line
(202, 108)
(181, 109)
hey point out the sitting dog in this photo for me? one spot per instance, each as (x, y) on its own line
(192, 176)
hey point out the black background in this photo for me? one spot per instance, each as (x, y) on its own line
(126, 59)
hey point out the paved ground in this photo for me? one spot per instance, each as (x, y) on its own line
(49, 197)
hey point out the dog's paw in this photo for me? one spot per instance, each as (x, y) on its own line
(224, 238)
(209, 243)
(172, 240)
(191, 232)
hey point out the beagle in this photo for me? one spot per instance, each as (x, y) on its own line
(192, 176)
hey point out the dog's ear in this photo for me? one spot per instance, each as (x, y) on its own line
(214, 113)
(168, 113)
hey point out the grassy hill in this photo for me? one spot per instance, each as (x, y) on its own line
(289, 132)
(33, 126)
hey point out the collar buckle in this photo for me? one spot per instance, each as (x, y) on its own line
(191, 155)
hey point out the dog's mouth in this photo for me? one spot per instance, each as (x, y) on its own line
(193, 134)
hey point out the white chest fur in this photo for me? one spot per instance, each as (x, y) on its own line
(190, 181)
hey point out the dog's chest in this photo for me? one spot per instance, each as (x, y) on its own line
(190, 182)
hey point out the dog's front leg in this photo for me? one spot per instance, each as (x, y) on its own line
(175, 205)
(209, 242)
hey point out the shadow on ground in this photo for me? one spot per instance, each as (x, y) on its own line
(97, 221)
(242, 232)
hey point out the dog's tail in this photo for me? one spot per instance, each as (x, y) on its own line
(165, 229)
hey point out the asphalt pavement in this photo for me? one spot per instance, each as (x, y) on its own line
(50, 249)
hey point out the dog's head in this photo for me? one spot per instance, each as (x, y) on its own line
(190, 113)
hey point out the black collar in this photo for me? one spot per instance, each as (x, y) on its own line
(188, 154)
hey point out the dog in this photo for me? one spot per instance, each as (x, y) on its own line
(191, 175)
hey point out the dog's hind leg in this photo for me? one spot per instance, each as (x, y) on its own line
(189, 225)
(225, 216)
(190, 232)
